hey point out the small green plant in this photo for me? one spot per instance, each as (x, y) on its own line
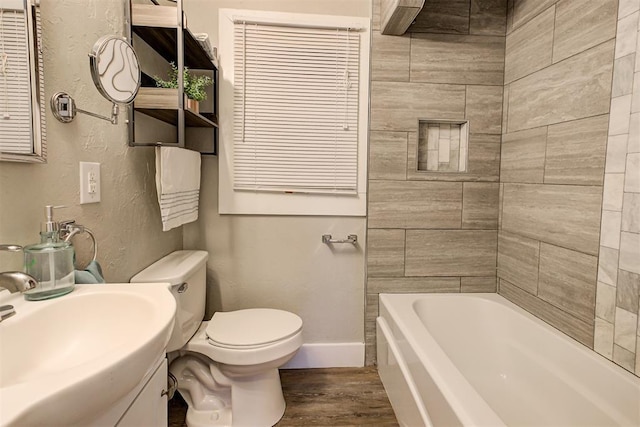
(194, 86)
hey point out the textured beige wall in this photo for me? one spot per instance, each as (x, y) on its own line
(127, 220)
(558, 75)
(425, 234)
(279, 261)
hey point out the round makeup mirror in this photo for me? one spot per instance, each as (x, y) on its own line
(115, 69)
(116, 73)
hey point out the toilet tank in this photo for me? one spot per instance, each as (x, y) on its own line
(186, 272)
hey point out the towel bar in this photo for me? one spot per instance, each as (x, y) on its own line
(351, 238)
(69, 229)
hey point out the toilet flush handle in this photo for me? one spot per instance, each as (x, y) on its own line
(182, 287)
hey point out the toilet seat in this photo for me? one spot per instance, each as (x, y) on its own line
(242, 356)
(251, 328)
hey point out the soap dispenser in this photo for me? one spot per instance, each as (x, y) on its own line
(50, 262)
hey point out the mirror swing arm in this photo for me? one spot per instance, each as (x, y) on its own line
(115, 72)
(63, 107)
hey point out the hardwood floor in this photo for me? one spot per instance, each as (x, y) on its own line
(323, 397)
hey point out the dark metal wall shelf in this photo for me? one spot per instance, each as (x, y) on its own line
(163, 29)
(164, 41)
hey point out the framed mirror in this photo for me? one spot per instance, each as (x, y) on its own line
(22, 105)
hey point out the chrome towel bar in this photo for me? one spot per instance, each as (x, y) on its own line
(351, 238)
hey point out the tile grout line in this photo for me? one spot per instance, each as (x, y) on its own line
(561, 61)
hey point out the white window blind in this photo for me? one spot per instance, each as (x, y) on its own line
(15, 92)
(295, 108)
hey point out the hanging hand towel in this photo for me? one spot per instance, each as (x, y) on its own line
(92, 273)
(178, 185)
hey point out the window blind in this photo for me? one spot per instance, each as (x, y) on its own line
(15, 92)
(295, 108)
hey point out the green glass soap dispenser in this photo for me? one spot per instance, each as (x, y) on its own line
(50, 262)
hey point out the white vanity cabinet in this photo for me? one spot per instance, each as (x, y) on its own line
(144, 406)
(150, 406)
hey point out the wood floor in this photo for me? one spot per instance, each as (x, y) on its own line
(323, 397)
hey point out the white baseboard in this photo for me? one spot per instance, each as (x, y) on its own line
(328, 355)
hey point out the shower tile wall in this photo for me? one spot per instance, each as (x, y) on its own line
(617, 335)
(429, 231)
(557, 96)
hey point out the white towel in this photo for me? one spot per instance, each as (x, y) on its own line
(178, 185)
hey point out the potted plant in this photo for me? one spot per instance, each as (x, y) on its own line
(194, 86)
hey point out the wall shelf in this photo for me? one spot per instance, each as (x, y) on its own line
(163, 28)
(162, 104)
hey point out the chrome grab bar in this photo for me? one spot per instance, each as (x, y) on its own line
(351, 238)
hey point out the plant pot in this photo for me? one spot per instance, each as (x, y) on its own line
(192, 105)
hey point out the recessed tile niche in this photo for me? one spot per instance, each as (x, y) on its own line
(443, 146)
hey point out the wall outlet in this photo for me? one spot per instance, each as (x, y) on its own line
(89, 182)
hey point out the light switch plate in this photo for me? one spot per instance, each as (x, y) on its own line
(89, 182)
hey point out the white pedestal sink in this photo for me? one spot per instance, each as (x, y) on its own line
(67, 360)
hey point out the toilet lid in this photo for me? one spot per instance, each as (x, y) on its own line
(252, 327)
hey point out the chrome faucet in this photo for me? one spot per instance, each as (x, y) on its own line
(6, 311)
(16, 281)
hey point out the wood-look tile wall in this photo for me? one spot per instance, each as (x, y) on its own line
(433, 231)
(617, 333)
(543, 123)
(559, 58)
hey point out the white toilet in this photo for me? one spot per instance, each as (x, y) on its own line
(227, 368)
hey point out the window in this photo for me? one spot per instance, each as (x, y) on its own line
(296, 108)
(15, 90)
(293, 139)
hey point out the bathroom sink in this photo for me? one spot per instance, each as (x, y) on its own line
(69, 359)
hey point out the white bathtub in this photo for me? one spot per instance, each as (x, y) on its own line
(479, 360)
